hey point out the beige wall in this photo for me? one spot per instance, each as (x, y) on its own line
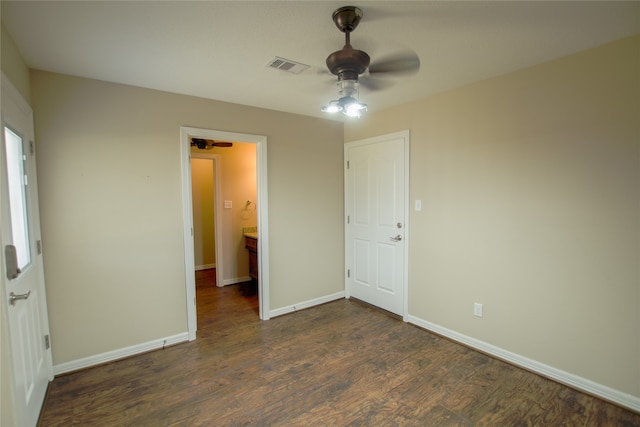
(109, 181)
(202, 193)
(14, 67)
(530, 185)
(238, 182)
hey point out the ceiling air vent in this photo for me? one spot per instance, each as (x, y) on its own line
(287, 65)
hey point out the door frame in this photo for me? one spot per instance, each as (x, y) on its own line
(187, 217)
(406, 136)
(9, 91)
(217, 212)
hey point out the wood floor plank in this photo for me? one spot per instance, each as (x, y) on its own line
(338, 364)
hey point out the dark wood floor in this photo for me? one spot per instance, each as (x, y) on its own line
(338, 364)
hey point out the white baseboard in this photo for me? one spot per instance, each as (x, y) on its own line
(227, 282)
(583, 384)
(110, 356)
(306, 304)
(205, 266)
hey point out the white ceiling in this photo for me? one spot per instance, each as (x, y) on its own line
(218, 50)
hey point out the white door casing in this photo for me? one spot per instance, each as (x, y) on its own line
(262, 213)
(27, 317)
(376, 194)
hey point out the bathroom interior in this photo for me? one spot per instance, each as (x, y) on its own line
(224, 205)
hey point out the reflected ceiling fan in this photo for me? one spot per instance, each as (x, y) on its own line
(208, 144)
(349, 64)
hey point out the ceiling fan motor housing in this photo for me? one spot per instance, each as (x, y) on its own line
(200, 143)
(347, 63)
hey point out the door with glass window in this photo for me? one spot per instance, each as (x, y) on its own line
(22, 269)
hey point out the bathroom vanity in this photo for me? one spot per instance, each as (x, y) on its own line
(251, 243)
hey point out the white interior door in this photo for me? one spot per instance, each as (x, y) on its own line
(22, 270)
(376, 190)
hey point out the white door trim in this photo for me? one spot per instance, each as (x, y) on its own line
(405, 135)
(217, 206)
(187, 216)
(20, 412)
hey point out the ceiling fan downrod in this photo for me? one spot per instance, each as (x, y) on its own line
(347, 63)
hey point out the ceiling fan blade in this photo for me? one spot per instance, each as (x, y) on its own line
(372, 83)
(401, 63)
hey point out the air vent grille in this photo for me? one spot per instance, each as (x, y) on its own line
(287, 65)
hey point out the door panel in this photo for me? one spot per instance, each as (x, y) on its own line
(361, 262)
(375, 184)
(24, 294)
(386, 273)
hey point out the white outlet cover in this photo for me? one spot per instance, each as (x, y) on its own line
(477, 309)
(228, 204)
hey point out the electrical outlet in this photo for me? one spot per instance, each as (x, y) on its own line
(477, 309)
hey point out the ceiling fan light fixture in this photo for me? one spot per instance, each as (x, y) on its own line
(352, 113)
(352, 107)
(333, 107)
(348, 104)
(354, 110)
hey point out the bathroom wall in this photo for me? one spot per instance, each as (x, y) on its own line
(202, 197)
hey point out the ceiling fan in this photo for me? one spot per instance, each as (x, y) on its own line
(208, 144)
(349, 64)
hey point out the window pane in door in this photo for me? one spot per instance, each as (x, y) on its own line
(16, 182)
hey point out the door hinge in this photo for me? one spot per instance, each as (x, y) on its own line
(348, 219)
(348, 272)
(347, 164)
(39, 246)
(47, 342)
(31, 149)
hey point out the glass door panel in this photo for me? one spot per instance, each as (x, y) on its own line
(17, 182)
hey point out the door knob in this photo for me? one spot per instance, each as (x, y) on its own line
(13, 297)
(396, 239)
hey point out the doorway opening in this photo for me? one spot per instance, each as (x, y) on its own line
(260, 206)
(207, 215)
